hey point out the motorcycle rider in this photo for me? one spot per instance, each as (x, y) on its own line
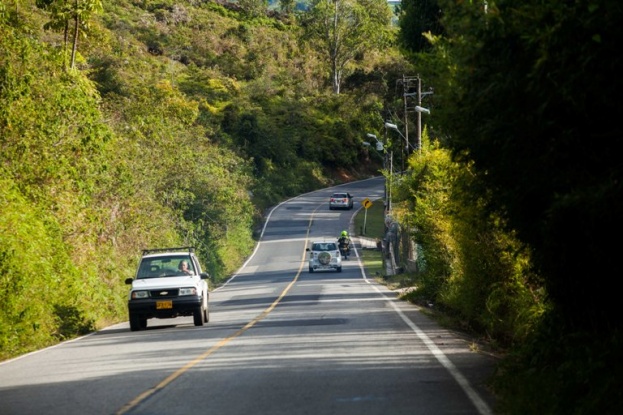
(344, 244)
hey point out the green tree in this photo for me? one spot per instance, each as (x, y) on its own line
(521, 96)
(344, 30)
(62, 12)
(543, 152)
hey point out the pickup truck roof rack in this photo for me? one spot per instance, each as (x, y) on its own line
(179, 248)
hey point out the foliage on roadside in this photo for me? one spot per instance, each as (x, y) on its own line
(582, 368)
(54, 159)
(468, 266)
(543, 182)
(40, 287)
(180, 124)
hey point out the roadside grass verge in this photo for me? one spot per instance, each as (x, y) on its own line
(370, 224)
(374, 221)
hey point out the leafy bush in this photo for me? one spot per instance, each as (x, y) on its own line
(472, 267)
(37, 277)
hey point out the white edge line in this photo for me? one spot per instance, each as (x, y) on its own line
(473, 396)
(49, 348)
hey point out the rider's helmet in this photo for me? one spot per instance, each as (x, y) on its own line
(344, 233)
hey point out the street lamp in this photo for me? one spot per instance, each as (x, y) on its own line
(422, 109)
(419, 111)
(379, 144)
(395, 127)
(381, 147)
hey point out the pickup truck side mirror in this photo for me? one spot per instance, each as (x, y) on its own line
(128, 281)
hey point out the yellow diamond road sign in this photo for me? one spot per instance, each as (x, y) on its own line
(366, 203)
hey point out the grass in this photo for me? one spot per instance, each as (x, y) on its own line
(370, 223)
(372, 260)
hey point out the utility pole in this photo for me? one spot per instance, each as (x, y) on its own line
(391, 176)
(419, 109)
(407, 87)
(388, 160)
(408, 84)
(405, 84)
(419, 115)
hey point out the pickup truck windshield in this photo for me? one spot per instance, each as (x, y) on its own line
(165, 266)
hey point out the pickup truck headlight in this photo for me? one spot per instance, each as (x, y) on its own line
(140, 294)
(188, 291)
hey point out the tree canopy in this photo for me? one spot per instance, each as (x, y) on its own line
(521, 92)
(344, 30)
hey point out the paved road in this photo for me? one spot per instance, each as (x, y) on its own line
(280, 340)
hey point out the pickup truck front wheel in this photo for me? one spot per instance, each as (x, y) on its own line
(200, 315)
(137, 322)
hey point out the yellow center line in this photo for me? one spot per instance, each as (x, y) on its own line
(149, 392)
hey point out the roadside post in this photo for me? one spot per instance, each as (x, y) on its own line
(366, 204)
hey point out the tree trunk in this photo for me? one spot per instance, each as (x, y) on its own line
(65, 43)
(334, 53)
(75, 45)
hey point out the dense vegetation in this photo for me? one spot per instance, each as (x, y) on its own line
(533, 205)
(161, 123)
(137, 123)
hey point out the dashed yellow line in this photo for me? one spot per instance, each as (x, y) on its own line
(150, 392)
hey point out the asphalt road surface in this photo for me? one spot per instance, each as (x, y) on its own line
(280, 340)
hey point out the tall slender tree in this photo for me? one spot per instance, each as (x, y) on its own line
(62, 12)
(343, 30)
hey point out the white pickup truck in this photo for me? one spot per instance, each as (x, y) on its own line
(169, 283)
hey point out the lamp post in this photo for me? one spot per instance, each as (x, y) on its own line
(422, 109)
(418, 108)
(395, 127)
(419, 111)
(407, 143)
(381, 147)
(379, 144)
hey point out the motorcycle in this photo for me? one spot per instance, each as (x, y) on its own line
(344, 251)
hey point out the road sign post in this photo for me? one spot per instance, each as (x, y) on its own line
(366, 204)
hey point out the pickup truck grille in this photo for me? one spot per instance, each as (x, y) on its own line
(164, 293)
